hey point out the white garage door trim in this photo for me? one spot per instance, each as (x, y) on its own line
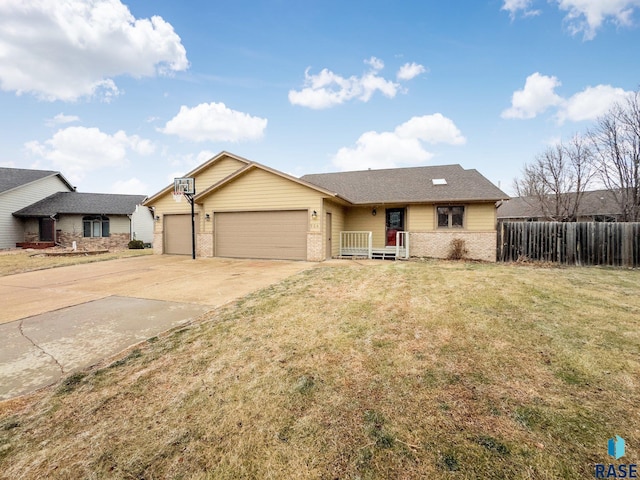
(267, 234)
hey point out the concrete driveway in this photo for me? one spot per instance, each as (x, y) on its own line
(53, 322)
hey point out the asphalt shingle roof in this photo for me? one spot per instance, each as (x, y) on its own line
(406, 185)
(11, 178)
(82, 204)
(594, 202)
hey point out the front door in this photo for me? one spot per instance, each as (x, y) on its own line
(46, 229)
(394, 223)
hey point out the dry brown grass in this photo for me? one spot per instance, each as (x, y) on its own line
(20, 261)
(381, 370)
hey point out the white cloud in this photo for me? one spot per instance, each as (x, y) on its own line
(61, 119)
(328, 89)
(587, 16)
(133, 186)
(537, 95)
(516, 6)
(401, 147)
(409, 71)
(214, 122)
(77, 151)
(72, 49)
(591, 103)
(583, 16)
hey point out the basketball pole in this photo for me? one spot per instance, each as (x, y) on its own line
(193, 221)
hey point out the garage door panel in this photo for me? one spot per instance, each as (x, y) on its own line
(273, 234)
(177, 234)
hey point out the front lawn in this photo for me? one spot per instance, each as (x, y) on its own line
(364, 370)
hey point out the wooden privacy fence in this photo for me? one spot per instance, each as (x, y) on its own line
(580, 243)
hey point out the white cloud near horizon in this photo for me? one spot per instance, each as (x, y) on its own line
(583, 16)
(328, 89)
(401, 147)
(214, 122)
(538, 95)
(77, 151)
(73, 49)
(591, 103)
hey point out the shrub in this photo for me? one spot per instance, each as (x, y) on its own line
(457, 249)
(136, 245)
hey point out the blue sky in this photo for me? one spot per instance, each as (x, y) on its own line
(123, 96)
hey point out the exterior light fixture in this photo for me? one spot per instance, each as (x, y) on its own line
(374, 211)
(157, 218)
(314, 215)
(207, 217)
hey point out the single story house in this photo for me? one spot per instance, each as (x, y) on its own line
(92, 220)
(247, 210)
(19, 188)
(594, 206)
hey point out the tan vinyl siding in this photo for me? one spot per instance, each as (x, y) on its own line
(11, 229)
(261, 190)
(361, 219)
(420, 218)
(166, 205)
(337, 225)
(480, 217)
(221, 169)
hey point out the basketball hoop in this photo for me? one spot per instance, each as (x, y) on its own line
(177, 196)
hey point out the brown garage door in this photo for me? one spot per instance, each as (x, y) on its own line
(273, 234)
(177, 234)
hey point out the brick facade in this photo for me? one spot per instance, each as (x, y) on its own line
(315, 250)
(204, 245)
(481, 245)
(158, 245)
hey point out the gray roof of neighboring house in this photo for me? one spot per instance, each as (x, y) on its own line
(11, 178)
(82, 204)
(407, 185)
(594, 202)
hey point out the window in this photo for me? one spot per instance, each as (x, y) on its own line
(95, 226)
(450, 217)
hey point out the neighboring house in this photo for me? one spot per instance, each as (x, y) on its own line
(19, 188)
(92, 220)
(595, 206)
(247, 210)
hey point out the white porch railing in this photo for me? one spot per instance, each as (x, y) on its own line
(360, 244)
(402, 245)
(356, 244)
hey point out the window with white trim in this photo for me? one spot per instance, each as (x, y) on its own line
(95, 226)
(451, 217)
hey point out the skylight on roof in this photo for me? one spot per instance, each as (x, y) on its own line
(439, 181)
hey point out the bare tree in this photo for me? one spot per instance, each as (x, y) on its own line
(616, 144)
(556, 180)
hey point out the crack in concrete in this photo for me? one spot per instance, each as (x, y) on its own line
(40, 348)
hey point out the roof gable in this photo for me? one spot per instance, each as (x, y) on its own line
(12, 178)
(253, 166)
(201, 171)
(82, 204)
(409, 185)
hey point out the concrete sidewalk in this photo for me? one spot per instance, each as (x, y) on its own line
(57, 321)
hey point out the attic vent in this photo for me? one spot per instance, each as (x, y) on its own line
(439, 181)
